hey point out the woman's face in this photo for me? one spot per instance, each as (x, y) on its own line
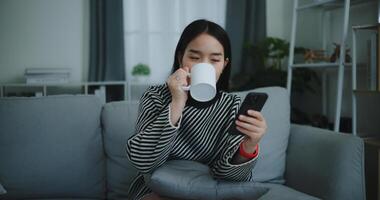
(205, 49)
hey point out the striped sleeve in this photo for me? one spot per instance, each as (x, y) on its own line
(223, 168)
(150, 146)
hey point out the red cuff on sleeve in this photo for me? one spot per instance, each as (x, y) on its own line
(244, 154)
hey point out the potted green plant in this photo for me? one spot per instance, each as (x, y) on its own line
(141, 72)
(267, 58)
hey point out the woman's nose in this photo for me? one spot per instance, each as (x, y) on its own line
(205, 60)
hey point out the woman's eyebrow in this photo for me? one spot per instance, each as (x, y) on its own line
(199, 52)
(194, 51)
(217, 54)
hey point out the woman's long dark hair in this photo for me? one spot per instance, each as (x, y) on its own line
(193, 30)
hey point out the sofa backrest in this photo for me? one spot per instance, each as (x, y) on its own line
(118, 120)
(51, 147)
(270, 166)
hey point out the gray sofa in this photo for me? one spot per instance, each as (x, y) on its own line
(73, 147)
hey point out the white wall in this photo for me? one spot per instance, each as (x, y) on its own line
(279, 23)
(278, 15)
(43, 33)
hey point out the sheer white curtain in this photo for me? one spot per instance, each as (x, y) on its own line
(153, 27)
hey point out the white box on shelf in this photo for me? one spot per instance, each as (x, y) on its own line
(47, 75)
(47, 71)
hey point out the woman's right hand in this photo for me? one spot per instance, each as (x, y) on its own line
(175, 82)
(179, 96)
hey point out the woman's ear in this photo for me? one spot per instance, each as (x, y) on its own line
(226, 61)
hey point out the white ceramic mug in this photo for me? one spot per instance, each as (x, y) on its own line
(203, 82)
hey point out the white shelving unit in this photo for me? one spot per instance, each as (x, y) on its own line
(81, 88)
(375, 28)
(324, 4)
(132, 91)
(45, 86)
(22, 89)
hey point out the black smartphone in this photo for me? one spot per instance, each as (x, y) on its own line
(253, 101)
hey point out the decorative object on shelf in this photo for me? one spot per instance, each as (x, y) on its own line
(318, 55)
(141, 72)
(335, 56)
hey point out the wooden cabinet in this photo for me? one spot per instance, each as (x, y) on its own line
(372, 167)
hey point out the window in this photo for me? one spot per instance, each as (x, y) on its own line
(152, 29)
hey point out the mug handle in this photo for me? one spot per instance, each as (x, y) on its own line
(187, 88)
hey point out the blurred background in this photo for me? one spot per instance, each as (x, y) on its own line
(115, 49)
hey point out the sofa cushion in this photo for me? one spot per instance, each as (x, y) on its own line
(118, 120)
(270, 166)
(281, 192)
(326, 164)
(51, 147)
(190, 179)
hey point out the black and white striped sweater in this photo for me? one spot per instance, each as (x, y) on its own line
(200, 135)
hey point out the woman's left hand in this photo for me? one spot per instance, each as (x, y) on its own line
(254, 126)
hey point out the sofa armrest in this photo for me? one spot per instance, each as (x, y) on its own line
(325, 164)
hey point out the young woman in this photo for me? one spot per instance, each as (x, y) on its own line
(173, 126)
